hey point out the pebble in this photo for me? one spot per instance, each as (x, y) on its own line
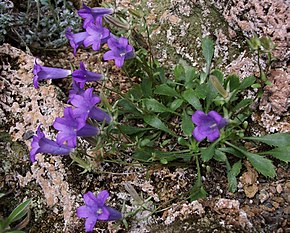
(279, 188)
(287, 210)
(263, 196)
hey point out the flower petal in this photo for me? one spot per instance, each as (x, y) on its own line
(90, 199)
(198, 135)
(197, 117)
(104, 215)
(216, 116)
(90, 223)
(214, 135)
(83, 212)
(88, 131)
(102, 197)
(114, 214)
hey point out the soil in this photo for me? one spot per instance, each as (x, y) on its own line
(56, 185)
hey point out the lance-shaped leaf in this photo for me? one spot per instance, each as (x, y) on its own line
(207, 51)
(277, 139)
(190, 97)
(18, 212)
(154, 106)
(164, 89)
(155, 122)
(186, 124)
(282, 153)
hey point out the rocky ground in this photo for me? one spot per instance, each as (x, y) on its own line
(56, 185)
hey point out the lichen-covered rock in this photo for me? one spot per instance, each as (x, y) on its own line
(23, 107)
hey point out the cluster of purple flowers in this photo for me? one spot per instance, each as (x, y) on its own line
(74, 122)
(95, 35)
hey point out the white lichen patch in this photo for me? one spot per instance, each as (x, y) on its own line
(182, 211)
(50, 176)
(25, 107)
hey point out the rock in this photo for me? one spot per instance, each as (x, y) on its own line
(263, 195)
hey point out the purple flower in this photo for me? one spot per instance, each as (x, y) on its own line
(43, 72)
(207, 126)
(120, 50)
(76, 90)
(95, 209)
(76, 39)
(85, 105)
(70, 127)
(82, 75)
(93, 15)
(40, 144)
(97, 35)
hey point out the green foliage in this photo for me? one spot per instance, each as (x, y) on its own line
(37, 25)
(159, 100)
(21, 212)
(153, 118)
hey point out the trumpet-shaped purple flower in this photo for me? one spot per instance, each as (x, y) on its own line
(70, 127)
(97, 35)
(43, 72)
(93, 15)
(82, 75)
(120, 50)
(40, 144)
(207, 126)
(76, 39)
(95, 209)
(85, 105)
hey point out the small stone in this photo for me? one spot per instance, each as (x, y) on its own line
(279, 188)
(275, 204)
(263, 196)
(287, 210)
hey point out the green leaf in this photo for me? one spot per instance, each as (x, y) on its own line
(208, 153)
(211, 94)
(179, 72)
(197, 191)
(247, 82)
(18, 212)
(2, 195)
(190, 75)
(242, 104)
(207, 50)
(281, 153)
(187, 125)
(200, 91)
(190, 97)
(136, 92)
(234, 82)
(277, 139)
(130, 130)
(232, 182)
(164, 89)
(175, 104)
(261, 164)
(220, 156)
(146, 87)
(154, 106)
(128, 107)
(155, 122)
(236, 169)
(232, 151)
